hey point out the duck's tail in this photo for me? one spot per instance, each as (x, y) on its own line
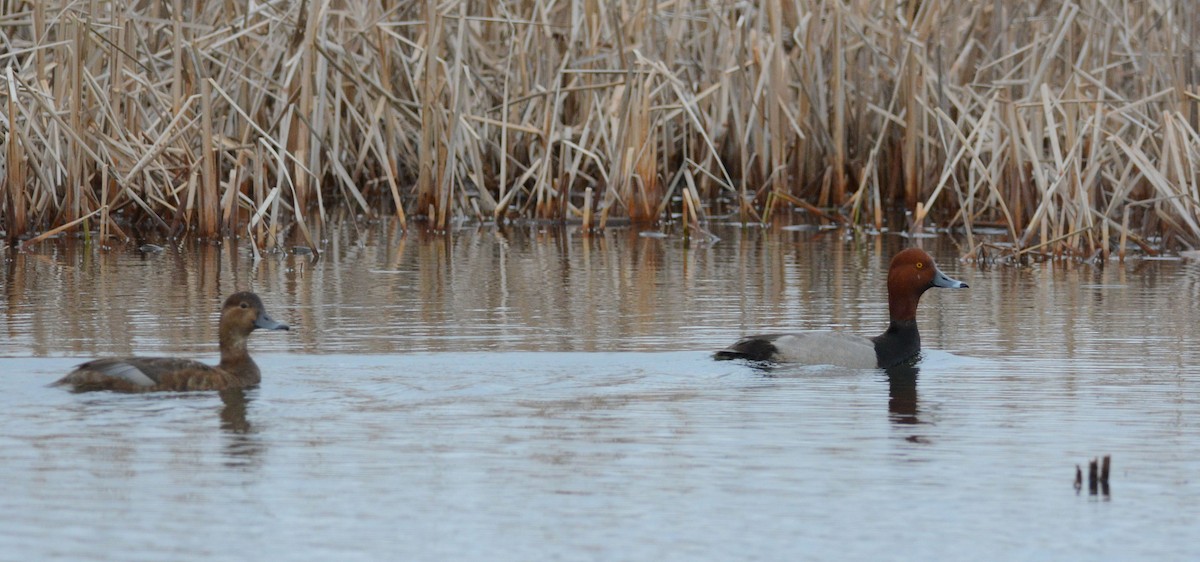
(729, 355)
(754, 348)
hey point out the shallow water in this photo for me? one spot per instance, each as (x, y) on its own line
(534, 394)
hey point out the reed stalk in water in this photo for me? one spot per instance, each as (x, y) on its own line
(1071, 127)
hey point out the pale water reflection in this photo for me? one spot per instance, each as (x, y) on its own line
(536, 394)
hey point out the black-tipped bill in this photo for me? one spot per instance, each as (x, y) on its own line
(266, 323)
(940, 280)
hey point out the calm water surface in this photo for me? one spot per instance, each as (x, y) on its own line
(531, 394)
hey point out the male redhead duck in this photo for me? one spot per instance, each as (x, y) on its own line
(912, 272)
(242, 313)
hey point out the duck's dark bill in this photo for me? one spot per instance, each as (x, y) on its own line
(940, 280)
(266, 323)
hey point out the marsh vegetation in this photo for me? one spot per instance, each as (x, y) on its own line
(1068, 128)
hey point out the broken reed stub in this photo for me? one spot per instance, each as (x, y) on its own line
(1098, 471)
(1093, 469)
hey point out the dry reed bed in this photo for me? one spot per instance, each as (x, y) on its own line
(1072, 126)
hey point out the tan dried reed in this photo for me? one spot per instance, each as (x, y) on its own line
(1056, 122)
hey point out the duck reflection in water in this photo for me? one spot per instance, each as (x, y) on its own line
(242, 447)
(233, 413)
(902, 394)
(903, 402)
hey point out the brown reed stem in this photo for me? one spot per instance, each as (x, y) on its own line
(209, 204)
(16, 221)
(1059, 120)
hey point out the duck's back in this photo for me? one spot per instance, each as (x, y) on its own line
(141, 374)
(808, 348)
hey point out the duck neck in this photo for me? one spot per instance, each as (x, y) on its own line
(899, 343)
(235, 359)
(902, 305)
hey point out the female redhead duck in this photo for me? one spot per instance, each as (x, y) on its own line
(241, 314)
(912, 272)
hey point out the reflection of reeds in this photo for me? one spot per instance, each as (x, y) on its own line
(1071, 126)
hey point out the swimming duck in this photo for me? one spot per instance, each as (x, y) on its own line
(241, 314)
(911, 273)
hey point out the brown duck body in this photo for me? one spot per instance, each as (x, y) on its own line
(241, 314)
(148, 374)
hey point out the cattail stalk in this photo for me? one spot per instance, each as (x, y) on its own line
(1054, 121)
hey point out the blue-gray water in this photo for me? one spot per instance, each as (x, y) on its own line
(535, 395)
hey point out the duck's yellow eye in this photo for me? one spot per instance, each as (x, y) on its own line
(920, 265)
